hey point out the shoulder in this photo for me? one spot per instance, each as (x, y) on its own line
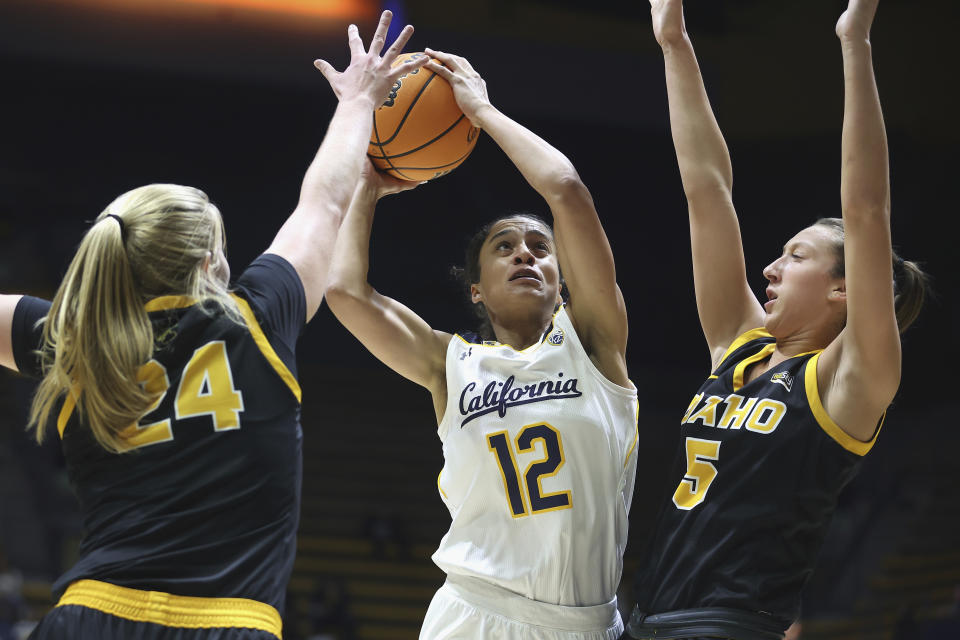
(852, 421)
(269, 272)
(272, 288)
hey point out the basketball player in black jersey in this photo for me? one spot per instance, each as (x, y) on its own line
(799, 385)
(177, 401)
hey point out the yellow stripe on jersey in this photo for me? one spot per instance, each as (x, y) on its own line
(162, 303)
(834, 430)
(494, 343)
(741, 367)
(442, 492)
(743, 339)
(265, 347)
(636, 432)
(171, 610)
(66, 411)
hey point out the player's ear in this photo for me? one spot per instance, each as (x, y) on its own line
(839, 292)
(475, 294)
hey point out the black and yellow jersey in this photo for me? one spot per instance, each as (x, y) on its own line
(758, 475)
(207, 503)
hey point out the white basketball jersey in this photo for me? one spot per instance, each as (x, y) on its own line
(539, 465)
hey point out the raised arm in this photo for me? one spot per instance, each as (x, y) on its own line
(586, 261)
(393, 333)
(306, 238)
(859, 372)
(726, 305)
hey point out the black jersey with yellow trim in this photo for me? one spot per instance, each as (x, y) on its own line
(757, 478)
(207, 503)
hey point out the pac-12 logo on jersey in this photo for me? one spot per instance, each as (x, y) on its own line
(556, 337)
(500, 396)
(783, 378)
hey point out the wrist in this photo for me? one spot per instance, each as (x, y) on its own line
(680, 42)
(855, 43)
(366, 192)
(483, 114)
(360, 101)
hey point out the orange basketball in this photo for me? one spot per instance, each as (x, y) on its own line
(419, 133)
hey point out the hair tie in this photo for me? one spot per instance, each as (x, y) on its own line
(123, 227)
(897, 263)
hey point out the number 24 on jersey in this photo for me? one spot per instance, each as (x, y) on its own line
(206, 389)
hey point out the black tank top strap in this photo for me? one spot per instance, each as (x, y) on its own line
(705, 622)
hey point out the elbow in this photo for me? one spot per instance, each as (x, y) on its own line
(340, 295)
(707, 182)
(566, 186)
(708, 193)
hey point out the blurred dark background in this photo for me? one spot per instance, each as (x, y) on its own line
(101, 96)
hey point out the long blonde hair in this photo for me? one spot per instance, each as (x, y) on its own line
(97, 334)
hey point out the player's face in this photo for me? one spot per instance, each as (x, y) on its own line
(518, 266)
(802, 294)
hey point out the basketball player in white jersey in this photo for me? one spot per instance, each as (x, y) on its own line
(537, 416)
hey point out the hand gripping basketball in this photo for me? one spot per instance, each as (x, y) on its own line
(469, 89)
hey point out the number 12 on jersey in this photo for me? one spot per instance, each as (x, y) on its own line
(526, 488)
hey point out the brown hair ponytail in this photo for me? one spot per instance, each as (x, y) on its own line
(910, 286)
(910, 283)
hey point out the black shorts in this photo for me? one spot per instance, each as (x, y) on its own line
(99, 611)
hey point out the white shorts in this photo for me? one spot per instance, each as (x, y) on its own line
(467, 608)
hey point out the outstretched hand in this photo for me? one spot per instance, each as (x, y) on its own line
(469, 89)
(668, 25)
(369, 75)
(855, 22)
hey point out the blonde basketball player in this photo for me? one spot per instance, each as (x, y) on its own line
(537, 418)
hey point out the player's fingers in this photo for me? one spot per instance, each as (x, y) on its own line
(445, 58)
(325, 68)
(353, 39)
(380, 35)
(399, 43)
(329, 73)
(464, 64)
(440, 70)
(409, 65)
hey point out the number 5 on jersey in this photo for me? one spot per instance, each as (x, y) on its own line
(700, 473)
(527, 489)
